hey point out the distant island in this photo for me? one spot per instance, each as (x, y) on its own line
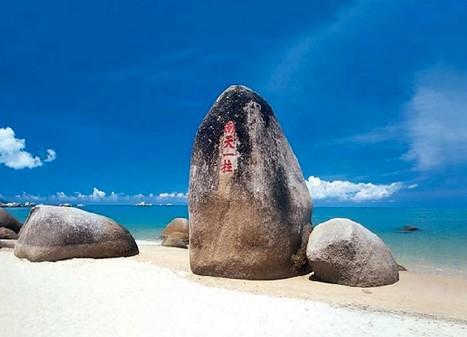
(7, 204)
(27, 204)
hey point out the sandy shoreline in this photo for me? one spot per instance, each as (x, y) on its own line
(155, 294)
(421, 294)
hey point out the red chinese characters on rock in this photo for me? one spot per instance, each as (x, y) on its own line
(229, 128)
(229, 148)
(229, 142)
(227, 166)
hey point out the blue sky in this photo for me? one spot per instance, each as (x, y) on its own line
(108, 95)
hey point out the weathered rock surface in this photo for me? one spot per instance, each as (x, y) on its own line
(176, 239)
(56, 233)
(6, 233)
(176, 234)
(249, 206)
(7, 221)
(175, 225)
(344, 252)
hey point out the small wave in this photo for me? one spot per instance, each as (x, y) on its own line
(148, 242)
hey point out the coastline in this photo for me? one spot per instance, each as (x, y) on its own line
(430, 295)
(155, 291)
(438, 248)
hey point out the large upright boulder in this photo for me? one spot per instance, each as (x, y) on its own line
(248, 202)
(344, 252)
(7, 221)
(54, 233)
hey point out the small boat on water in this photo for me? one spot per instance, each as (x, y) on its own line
(143, 204)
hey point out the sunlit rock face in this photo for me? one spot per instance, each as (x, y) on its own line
(176, 233)
(248, 203)
(344, 252)
(54, 233)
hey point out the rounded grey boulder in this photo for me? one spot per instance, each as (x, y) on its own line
(7, 221)
(344, 252)
(176, 239)
(54, 233)
(175, 225)
(249, 205)
(176, 234)
(6, 233)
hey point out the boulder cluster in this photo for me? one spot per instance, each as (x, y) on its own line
(250, 209)
(249, 212)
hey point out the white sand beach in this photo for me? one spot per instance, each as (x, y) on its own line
(154, 294)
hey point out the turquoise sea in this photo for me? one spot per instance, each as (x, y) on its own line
(440, 246)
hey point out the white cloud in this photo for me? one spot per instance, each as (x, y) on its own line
(378, 135)
(26, 197)
(349, 191)
(61, 195)
(173, 195)
(319, 190)
(437, 119)
(13, 154)
(97, 194)
(309, 47)
(51, 155)
(113, 196)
